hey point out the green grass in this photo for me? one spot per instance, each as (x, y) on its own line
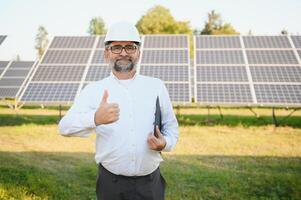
(239, 157)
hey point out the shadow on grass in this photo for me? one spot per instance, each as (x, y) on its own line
(184, 120)
(72, 176)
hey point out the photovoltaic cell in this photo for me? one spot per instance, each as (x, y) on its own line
(271, 57)
(296, 40)
(178, 92)
(50, 92)
(217, 42)
(164, 56)
(98, 57)
(3, 64)
(165, 41)
(224, 93)
(96, 73)
(4, 82)
(8, 92)
(100, 43)
(219, 57)
(61, 73)
(78, 42)
(221, 74)
(266, 42)
(276, 73)
(21, 65)
(16, 73)
(299, 53)
(64, 57)
(282, 94)
(166, 72)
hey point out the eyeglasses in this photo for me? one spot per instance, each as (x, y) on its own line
(129, 49)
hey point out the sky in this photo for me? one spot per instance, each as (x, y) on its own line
(20, 19)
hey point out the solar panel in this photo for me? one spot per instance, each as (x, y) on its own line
(167, 57)
(50, 92)
(164, 56)
(266, 71)
(66, 56)
(165, 41)
(271, 57)
(279, 94)
(98, 57)
(219, 57)
(3, 64)
(96, 73)
(217, 42)
(2, 38)
(224, 93)
(166, 72)
(63, 69)
(79, 42)
(296, 40)
(62, 73)
(221, 74)
(13, 78)
(178, 92)
(276, 73)
(266, 42)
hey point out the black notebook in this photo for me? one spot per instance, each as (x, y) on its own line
(158, 121)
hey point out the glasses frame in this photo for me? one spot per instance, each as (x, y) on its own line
(123, 47)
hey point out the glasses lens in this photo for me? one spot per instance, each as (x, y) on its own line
(130, 49)
(116, 49)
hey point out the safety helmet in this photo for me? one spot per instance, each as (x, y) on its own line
(122, 31)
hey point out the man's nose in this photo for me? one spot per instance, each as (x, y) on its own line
(123, 52)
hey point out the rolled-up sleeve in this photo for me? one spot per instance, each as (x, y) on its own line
(169, 120)
(79, 120)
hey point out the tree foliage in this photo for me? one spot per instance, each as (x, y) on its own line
(158, 20)
(215, 26)
(96, 26)
(41, 41)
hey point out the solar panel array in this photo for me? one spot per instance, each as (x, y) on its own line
(264, 70)
(2, 38)
(13, 76)
(167, 57)
(67, 65)
(229, 70)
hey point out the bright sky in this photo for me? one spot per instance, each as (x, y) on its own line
(19, 19)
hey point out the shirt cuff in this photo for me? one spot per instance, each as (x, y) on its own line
(168, 145)
(88, 119)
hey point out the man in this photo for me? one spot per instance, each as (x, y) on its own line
(121, 109)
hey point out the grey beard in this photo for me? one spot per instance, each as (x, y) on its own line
(123, 68)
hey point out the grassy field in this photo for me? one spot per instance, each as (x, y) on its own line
(237, 157)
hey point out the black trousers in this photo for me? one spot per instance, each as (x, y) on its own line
(116, 187)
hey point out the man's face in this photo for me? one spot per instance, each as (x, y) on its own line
(122, 56)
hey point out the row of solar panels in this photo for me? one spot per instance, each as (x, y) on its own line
(239, 70)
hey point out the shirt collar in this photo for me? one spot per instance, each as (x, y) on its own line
(124, 82)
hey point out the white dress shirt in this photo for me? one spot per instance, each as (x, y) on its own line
(121, 147)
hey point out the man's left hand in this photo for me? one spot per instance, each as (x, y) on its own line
(156, 143)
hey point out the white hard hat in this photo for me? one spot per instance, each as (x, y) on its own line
(122, 31)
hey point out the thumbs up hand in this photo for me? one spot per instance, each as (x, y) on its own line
(107, 112)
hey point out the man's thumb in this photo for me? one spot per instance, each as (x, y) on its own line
(105, 96)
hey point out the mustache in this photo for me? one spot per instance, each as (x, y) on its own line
(124, 58)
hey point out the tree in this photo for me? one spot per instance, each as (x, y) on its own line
(158, 20)
(215, 26)
(41, 41)
(97, 26)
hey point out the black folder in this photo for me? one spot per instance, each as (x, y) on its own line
(158, 119)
